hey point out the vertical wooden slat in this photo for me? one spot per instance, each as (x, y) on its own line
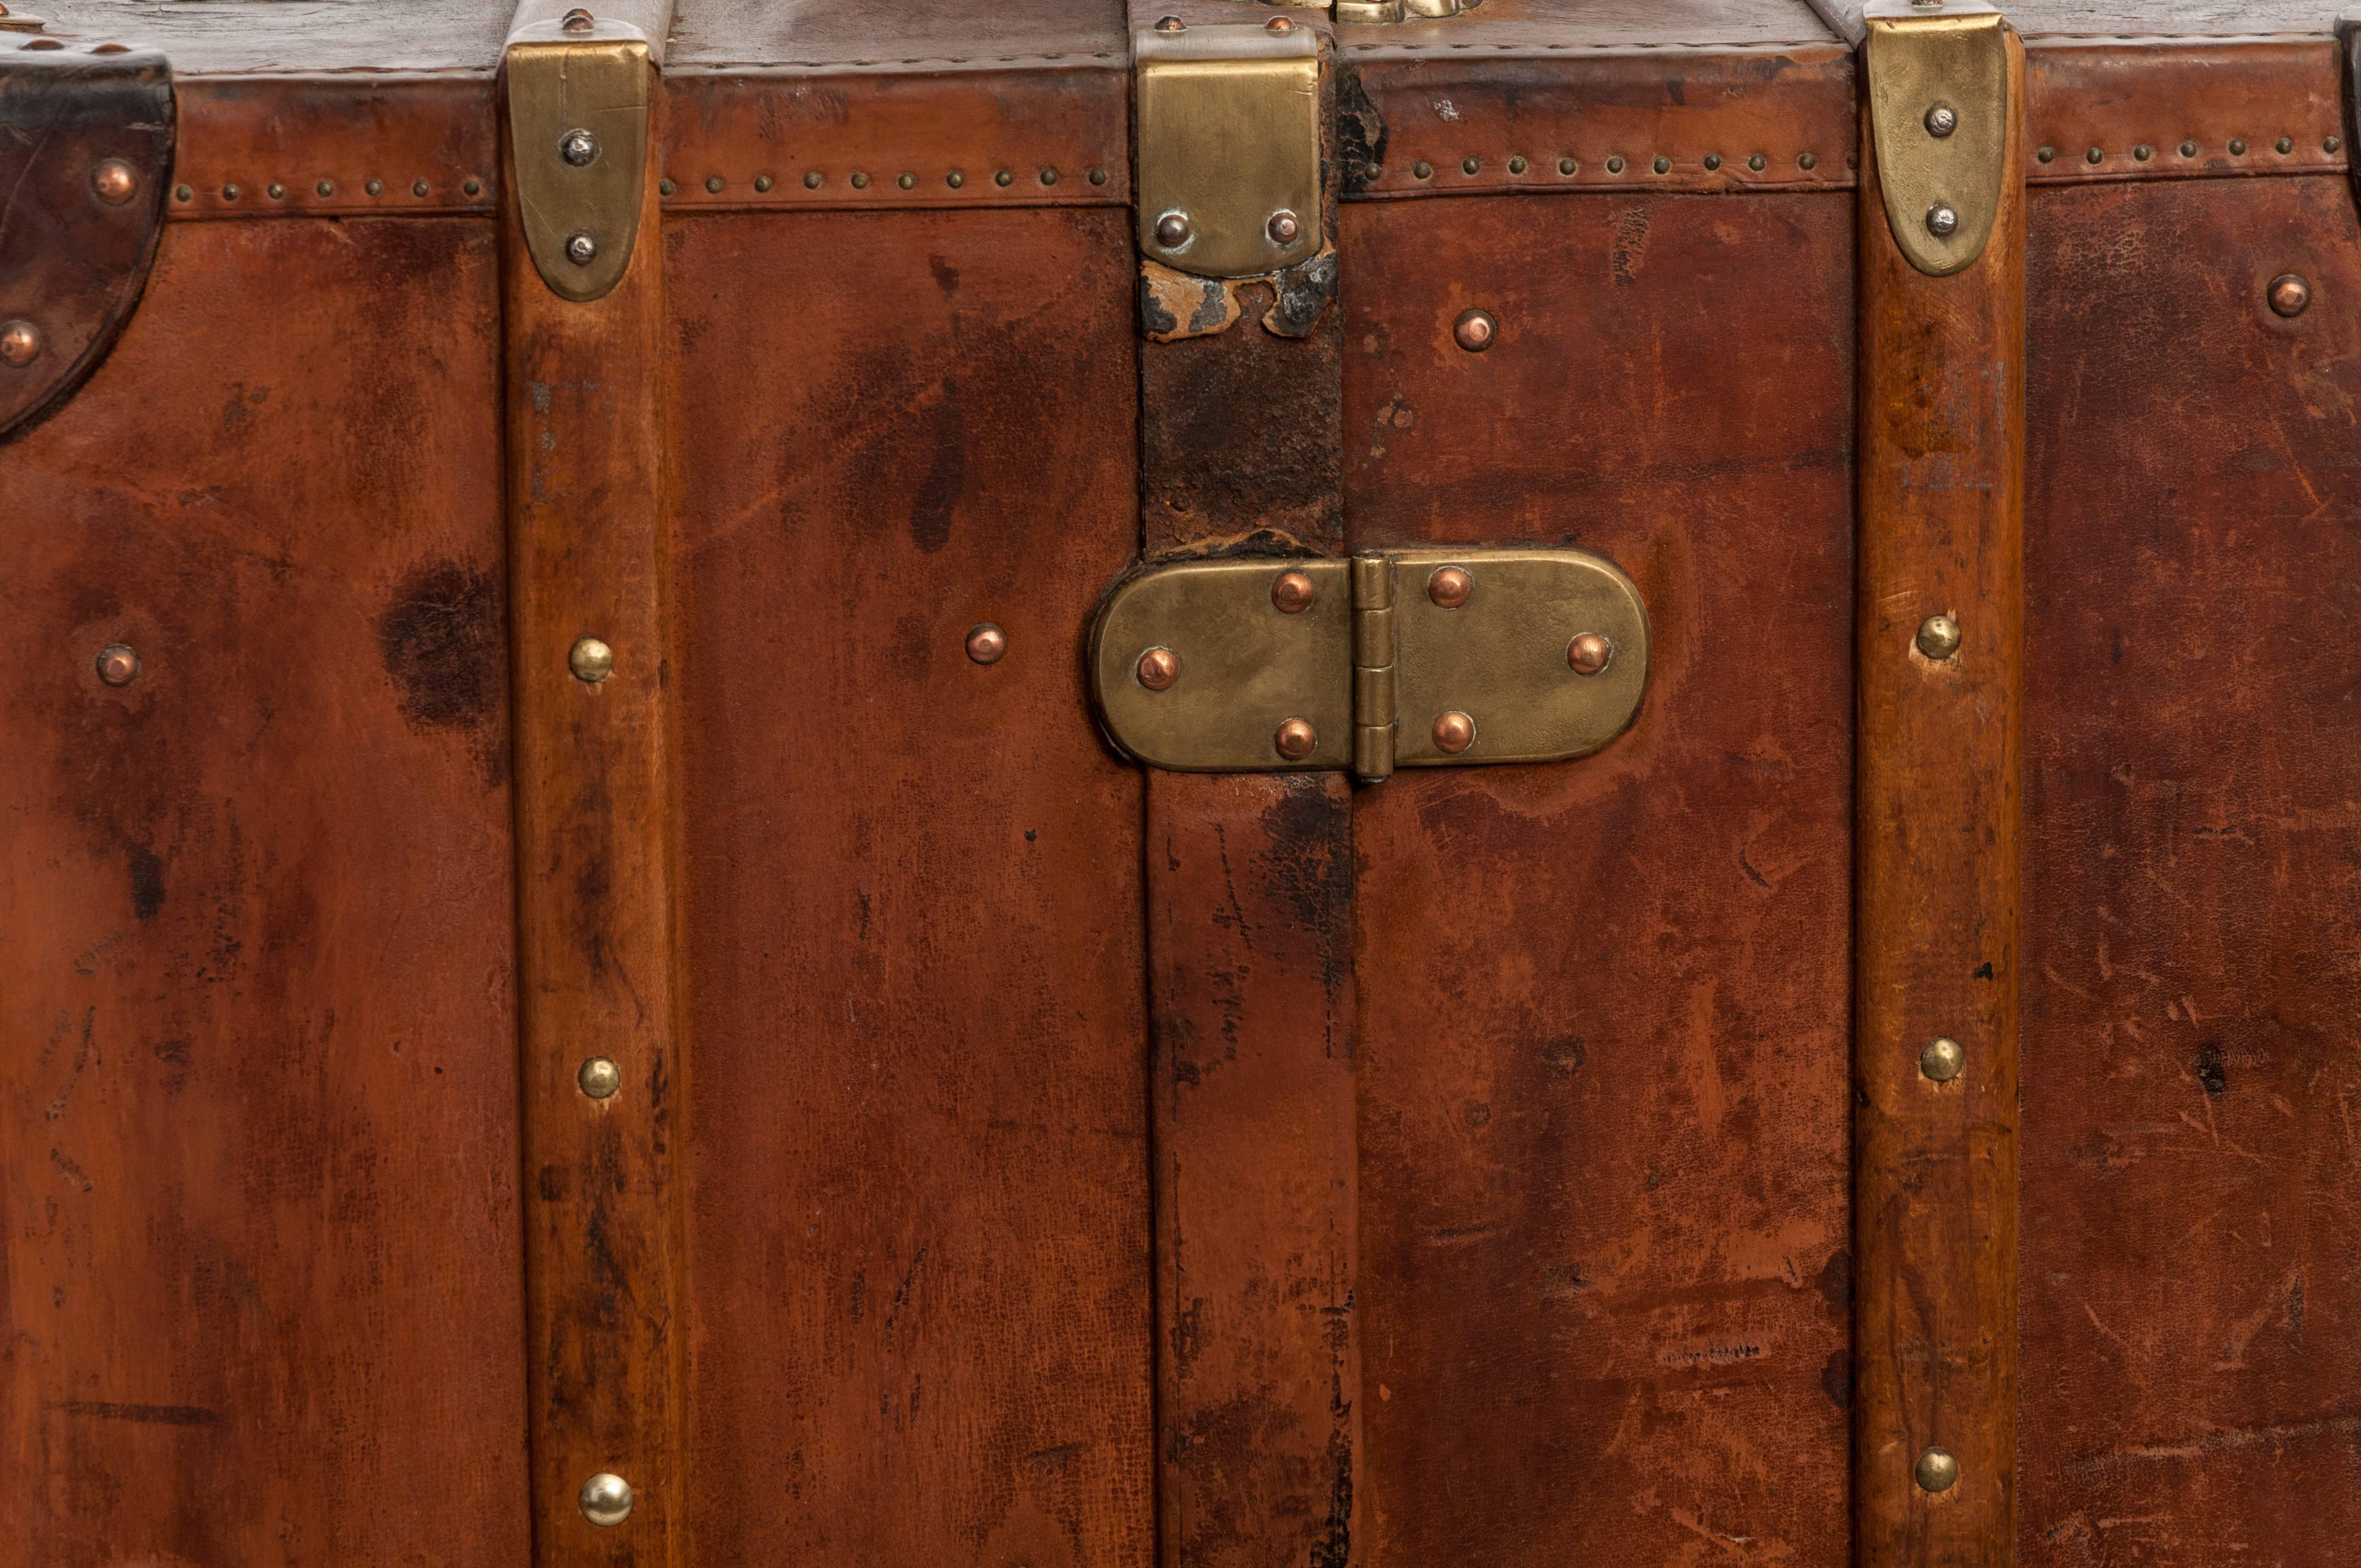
(594, 922)
(1942, 524)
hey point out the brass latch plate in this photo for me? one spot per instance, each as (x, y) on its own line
(577, 113)
(1938, 110)
(1421, 658)
(1228, 131)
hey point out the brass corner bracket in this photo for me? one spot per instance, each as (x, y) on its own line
(578, 93)
(1940, 118)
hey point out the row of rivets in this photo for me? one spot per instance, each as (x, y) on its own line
(276, 190)
(113, 181)
(1940, 1059)
(858, 180)
(2142, 152)
(1616, 164)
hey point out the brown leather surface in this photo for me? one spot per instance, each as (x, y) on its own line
(595, 825)
(2190, 1299)
(261, 146)
(918, 1215)
(1940, 530)
(262, 1275)
(2138, 104)
(71, 262)
(1603, 1171)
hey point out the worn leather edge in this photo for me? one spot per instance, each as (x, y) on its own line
(51, 282)
(2137, 104)
(262, 146)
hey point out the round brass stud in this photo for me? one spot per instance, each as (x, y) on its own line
(1003, 177)
(1475, 330)
(1449, 587)
(1293, 592)
(117, 664)
(1937, 1471)
(1159, 668)
(1615, 165)
(2188, 149)
(419, 187)
(1712, 161)
(1755, 162)
(713, 184)
(375, 187)
(860, 181)
(1295, 740)
(1567, 166)
(2289, 294)
(1941, 1058)
(1422, 170)
(1807, 162)
(956, 179)
(2286, 144)
(275, 191)
(986, 643)
(600, 1078)
(325, 187)
(591, 660)
(2093, 155)
(115, 180)
(1516, 165)
(665, 187)
(229, 193)
(907, 181)
(1938, 637)
(1470, 165)
(2238, 146)
(606, 1500)
(1454, 733)
(2047, 155)
(1588, 654)
(2143, 152)
(762, 183)
(2331, 145)
(21, 343)
(1663, 165)
(811, 179)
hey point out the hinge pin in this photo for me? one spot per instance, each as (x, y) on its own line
(1373, 667)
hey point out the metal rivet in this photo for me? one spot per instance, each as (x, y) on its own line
(1937, 1471)
(1295, 739)
(117, 664)
(1941, 1061)
(1755, 163)
(577, 20)
(1712, 160)
(1283, 228)
(1588, 654)
(111, 49)
(2286, 144)
(600, 1078)
(1454, 733)
(1421, 170)
(1469, 165)
(1938, 637)
(1942, 120)
(229, 193)
(860, 181)
(2143, 152)
(1449, 587)
(1173, 230)
(1280, 24)
(325, 187)
(472, 187)
(1941, 221)
(1808, 161)
(665, 187)
(1293, 592)
(2188, 149)
(906, 180)
(115, 180)
(1049, 177)
(1516, 165)
(811, 180)
(606, 1500)
(591, 660)
(1098, 176)
(1475, 330)
(1159, 668)
(275, 191)
(1003, 177)
(21, 343)
(419, 187)
(2093, 155)
(578, 147)
(1663, 165)
(1168, 25)
(762, 183)
(2238, 146)
(581, 250)
(2331, 145)
(2289, 294)
(184, 193)
(43, 44)
(986, 642)
(1615, 165)
(375, 187)
(1567, 166)
(955, 179)
(713, 184)
(2046, 154)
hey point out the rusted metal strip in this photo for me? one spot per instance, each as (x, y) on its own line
(602, 1076)
(1940, 671)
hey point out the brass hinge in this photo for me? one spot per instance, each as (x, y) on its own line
(1416, 658)
(1939, 114)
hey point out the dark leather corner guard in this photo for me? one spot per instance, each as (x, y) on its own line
(85, 167)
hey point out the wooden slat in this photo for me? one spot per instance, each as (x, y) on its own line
(1942, 526)
(593, 912)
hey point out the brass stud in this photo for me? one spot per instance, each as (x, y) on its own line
(1712, 161)
(325, 187)
(229, 193)
(1295, 740)
(600, 1078)
(1474, 331)
(665, 187)
(986, 643)
(1449, 587)
(2238, 146)
(811, 180)
(2046, 154)
(955, 179)
(1470, 165)
(591, 660)
(1159, 668)
(375, 187)
(419, 187)
(115, 180)
(184, 193)
(117, 664)
(606, 1500)
(1588, 654)
(1937, 1471)
(1807, 162)
(906, 180)
(1454, 733)
(1293, 592)
(275, 191)
(713, 184)
(21, 343)
(1567, 166)
(2290, 295)
(762, 183)
(1516, 165)
(1942, 1059)
(1938, 637)
(2286, 144)
(860, 181)
(2188, 149)
(1615, 165)
(1755, 162)
(2331, 145)
(2143, 152)
(1663, 165)
(1049, 177)
(1098, 176)
(2093, 155)
(1421, 170)
(1002, 178)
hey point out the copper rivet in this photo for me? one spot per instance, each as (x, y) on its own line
(111, 49)
(1588, 654)
(600, 1078)
(591, 660)
(1283, 228)
(21, 343)
(1454, 733)
(1168, 25)
(2289, 294)
(1295, 739)
(986, 642)
(577, 20)
(117, 664)
(1941, 1058)
(1475, 330)
(1159, 668)
(1449, 587)
(606, 1500)
(114, 180)
(1293, 592)
(1280, 24)
(1938, 637)
(1937, 1471)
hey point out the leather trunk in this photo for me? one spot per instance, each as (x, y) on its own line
(599, 969)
